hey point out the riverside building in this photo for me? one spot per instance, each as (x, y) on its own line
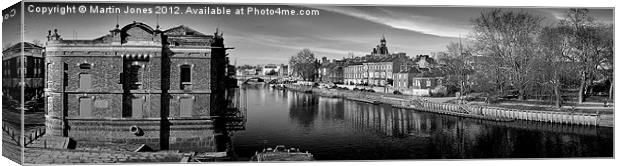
(162, 88)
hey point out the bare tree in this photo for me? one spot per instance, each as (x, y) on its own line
(554, 42)
(37, 42)
(509, 38)
(304, 64)
(590, 43)
(455, 67)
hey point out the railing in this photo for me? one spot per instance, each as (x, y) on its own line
(529, 115)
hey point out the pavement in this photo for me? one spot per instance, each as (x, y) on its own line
(57, 156)
(10, 149)
(84, 155)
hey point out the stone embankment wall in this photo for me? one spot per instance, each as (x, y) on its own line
(487, 112)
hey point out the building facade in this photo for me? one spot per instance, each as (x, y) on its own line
(136, 84)
(332, 71)
(421, 78)
(375, 69)
(355, 74)
(32, 70)
(283, 70)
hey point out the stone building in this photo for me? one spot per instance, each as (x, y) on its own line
(32, 70)
(137, 85)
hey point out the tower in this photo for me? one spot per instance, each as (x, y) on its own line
(381, 49)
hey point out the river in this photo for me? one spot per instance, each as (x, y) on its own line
(340, 129)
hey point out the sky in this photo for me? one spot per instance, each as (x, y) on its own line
(337, 31)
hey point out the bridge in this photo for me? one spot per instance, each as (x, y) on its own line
(267, 78)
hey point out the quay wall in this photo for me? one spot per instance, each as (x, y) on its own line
(487, 112)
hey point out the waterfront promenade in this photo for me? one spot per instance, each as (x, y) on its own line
(586, 114)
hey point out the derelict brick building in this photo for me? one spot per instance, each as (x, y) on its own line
(136, 85)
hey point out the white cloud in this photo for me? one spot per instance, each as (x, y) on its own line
(405, 21)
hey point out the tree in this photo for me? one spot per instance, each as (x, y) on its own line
(454, 67)
(271, 72)
(590, 44)
(304, 64)
(37, 42)
(509, 38)
(554, 47)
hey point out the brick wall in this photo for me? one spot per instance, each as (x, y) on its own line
(159, 85)
(184, 133)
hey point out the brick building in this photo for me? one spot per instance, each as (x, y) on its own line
(376, 68)
(421, 78)
(331, 71)
(137, 85)
(32, 70)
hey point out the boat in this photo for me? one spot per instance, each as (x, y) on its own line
(281, 153)
(204, 157)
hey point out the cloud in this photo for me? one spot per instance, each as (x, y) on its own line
(403, 20)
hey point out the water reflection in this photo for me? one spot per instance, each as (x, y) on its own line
(336, 129)
(303, 109)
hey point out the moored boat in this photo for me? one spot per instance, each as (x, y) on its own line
(281, 153)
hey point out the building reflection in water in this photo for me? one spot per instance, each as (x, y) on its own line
(335, 128)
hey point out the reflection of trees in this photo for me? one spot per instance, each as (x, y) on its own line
(304, 109)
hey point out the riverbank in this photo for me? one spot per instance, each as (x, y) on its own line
(485, 112)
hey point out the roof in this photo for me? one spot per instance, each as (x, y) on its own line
(178, 31)
(428, 59)
(27, 46)
(331, 65)
(423, 72)
(183, 30)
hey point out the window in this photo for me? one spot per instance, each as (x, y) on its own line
(86, 104)
(134, 76)
(186, 77)
(47, 75)
(85, 81)
(186, 104)
(50, 104)
(137, 104)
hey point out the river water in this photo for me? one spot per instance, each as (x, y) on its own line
(340, 129)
